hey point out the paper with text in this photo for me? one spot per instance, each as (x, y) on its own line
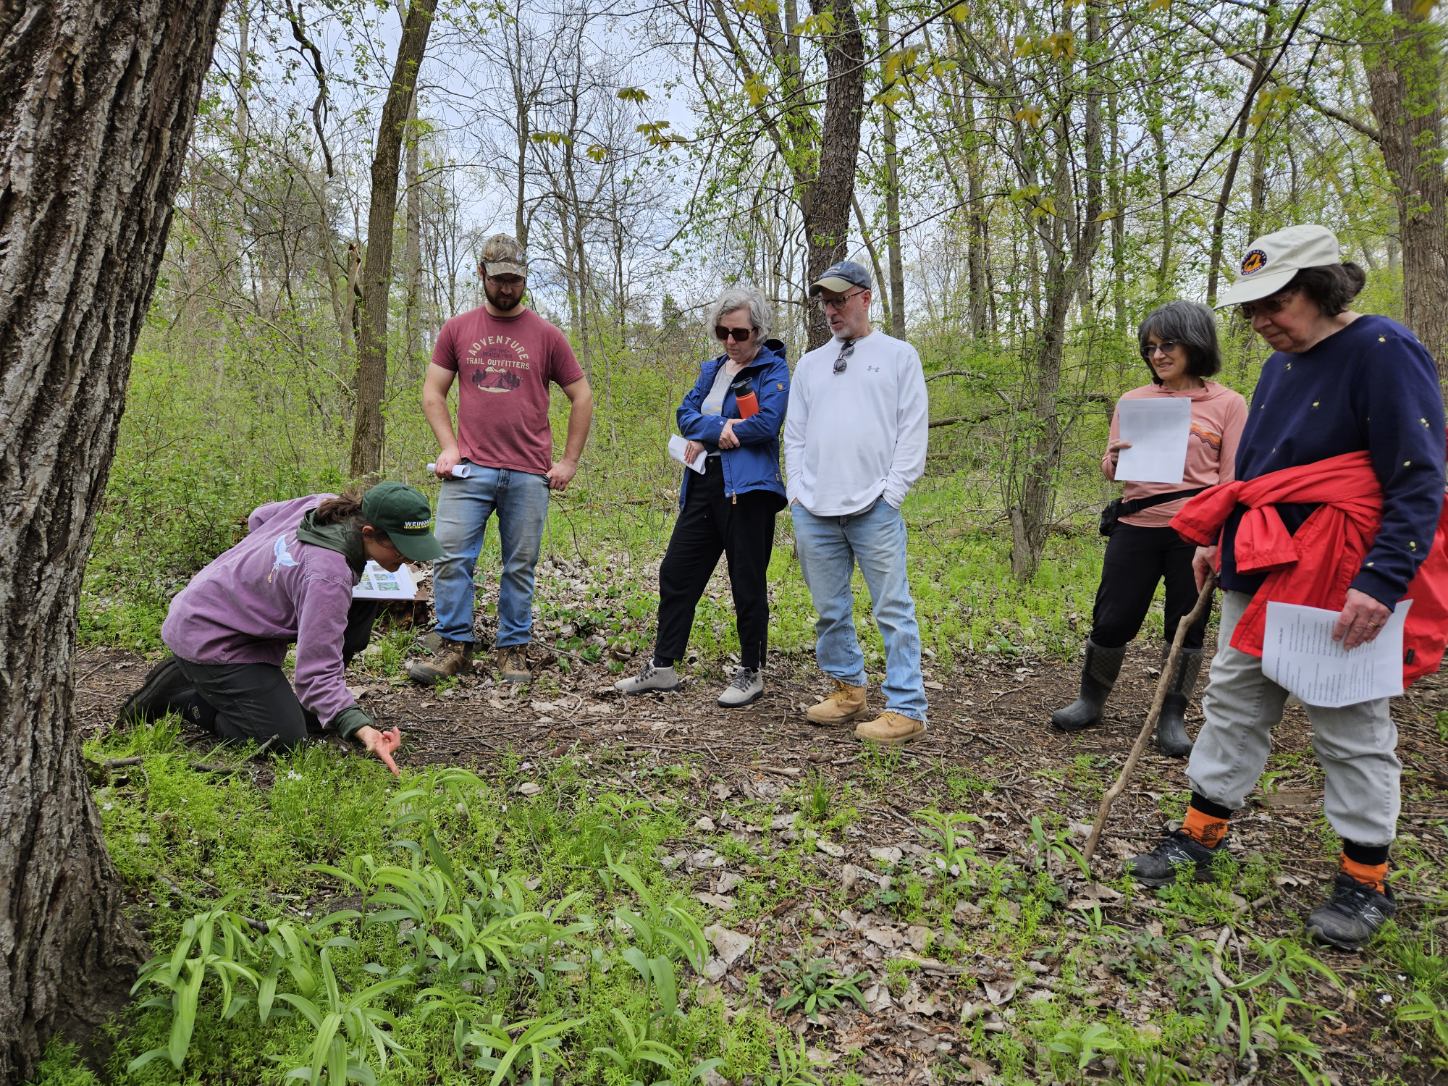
(378, 584)
(1299, 654)
(1158, 432)
(676, 450)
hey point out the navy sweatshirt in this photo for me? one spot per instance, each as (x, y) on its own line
(1370, 386)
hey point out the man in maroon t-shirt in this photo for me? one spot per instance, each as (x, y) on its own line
(503, 356)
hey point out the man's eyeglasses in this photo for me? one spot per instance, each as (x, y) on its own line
(738, 335)
(843, 358)
(1166, 346)
(1268, 305)
(826, 302)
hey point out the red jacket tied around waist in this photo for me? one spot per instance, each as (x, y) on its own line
(1315, 567)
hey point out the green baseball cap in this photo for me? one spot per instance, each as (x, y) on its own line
(403, 513)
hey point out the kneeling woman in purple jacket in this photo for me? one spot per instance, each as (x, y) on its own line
(290, 580)
(731, 419)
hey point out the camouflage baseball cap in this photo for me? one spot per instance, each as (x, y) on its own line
(502, 255)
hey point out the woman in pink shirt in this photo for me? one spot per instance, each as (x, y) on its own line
(1179, 345)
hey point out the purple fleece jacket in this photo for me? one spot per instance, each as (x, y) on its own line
(266, 592)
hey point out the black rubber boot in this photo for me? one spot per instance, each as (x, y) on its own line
(1098, 676)
(1171, 727)
(165, 690)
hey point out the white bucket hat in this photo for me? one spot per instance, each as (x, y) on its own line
(1272, 260)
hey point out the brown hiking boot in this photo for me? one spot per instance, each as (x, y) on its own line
(454, 658)
(513, 664)
(846, 703)
(889, 729)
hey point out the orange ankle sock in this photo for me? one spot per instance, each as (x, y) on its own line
(1372, 875)
(1204, 828)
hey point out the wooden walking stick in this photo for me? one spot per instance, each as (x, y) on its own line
(1173, 660)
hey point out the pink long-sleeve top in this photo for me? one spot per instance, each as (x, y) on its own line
(1218, 416)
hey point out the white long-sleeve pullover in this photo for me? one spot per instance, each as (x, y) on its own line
(854, 436)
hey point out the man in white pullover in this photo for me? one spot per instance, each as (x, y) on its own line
(854, 444)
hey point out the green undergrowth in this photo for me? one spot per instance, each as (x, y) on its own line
(320, 922)
(199, 449)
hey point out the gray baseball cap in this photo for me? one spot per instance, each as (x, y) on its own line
(841, 277)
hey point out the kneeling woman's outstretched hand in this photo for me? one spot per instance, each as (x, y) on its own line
(381, 744)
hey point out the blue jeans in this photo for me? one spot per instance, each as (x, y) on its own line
(521, 502)
(829, 548)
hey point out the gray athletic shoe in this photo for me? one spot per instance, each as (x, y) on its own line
(746, 686)
(1174, 852)
(1352, 916)
(650, 678)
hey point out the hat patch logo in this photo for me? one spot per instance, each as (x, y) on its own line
(1254, 262)
(414, 525)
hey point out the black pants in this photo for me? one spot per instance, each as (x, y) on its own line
(711, 523)
(1136, 559)
(256, 702)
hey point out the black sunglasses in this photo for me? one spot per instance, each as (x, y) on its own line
(738, 335)
(843, 358)
(1166, 346)
(1268, 305)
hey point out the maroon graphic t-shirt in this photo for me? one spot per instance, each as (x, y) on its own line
(504, 365)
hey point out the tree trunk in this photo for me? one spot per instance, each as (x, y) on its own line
(1404, 77)
(1229, 176)
(96, 108)
(367, 434)
(826, 201)
(892, 195)
(412, 238)
(1072, 244)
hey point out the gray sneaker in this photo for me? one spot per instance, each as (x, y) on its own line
(1174, 852)
(746, 686)
(1352, 915)
(650, 678)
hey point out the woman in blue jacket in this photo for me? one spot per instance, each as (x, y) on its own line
(731, 419)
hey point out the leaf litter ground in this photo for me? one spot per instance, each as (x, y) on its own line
(944, 969)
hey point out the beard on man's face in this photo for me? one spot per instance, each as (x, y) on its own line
(504, 299)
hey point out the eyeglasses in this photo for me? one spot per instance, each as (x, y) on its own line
(738, 335)
(1166, 346)
(843, 359)
(836, 303)
(1268, 305)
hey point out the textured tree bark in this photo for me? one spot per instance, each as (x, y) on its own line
(96, 108)
(825, 205)
(371, 385)
(1404, 77)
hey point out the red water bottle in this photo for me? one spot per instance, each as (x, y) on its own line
(748, 403)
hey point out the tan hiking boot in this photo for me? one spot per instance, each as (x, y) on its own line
(453, 658)
(513, 664)
(889, 729)
(846, 703)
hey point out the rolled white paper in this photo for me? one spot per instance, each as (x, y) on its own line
(459, 471)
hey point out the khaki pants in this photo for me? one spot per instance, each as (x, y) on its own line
(1355, 745)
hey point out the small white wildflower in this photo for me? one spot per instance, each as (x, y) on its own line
(293, 775)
